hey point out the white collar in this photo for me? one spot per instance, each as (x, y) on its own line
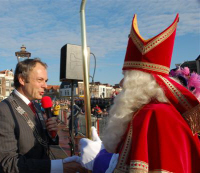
(27, 101)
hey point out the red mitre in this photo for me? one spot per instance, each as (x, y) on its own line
(154, 56)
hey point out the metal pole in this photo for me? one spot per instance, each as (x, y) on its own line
(72, 119)
(85, 71)
(95, 64)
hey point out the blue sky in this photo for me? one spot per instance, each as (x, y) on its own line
(44, 26)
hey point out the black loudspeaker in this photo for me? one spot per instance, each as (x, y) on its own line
(71, 62)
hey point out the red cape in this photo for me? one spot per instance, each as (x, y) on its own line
(159, 139)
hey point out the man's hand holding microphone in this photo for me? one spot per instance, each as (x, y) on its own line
(52, 128)
(51, 122)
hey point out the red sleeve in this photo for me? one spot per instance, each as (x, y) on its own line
(159, 139)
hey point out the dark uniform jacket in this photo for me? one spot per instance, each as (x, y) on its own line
(20, 151)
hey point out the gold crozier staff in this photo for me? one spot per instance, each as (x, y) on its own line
(85, 71)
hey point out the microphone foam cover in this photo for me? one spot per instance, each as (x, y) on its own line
(46, 102)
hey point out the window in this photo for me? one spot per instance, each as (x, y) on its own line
(0, 81)
(7, 83)
(0, 90)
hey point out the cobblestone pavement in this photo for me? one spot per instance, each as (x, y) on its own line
(63, 133)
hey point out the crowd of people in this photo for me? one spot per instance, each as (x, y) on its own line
(65, 105)
(61, 109)
(153, 124)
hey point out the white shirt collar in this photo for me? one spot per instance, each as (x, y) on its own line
(27, 101)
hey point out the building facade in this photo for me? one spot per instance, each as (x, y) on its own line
(53, 91)
(194, 66)
(97, 90)
(66, 89)
(6, 83)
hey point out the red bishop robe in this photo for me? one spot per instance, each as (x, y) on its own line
(158, 139)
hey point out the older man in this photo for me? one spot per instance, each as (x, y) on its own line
(24, 134)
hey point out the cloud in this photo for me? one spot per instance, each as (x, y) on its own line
(45, 26)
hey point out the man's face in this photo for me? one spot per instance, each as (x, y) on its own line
(33, 88)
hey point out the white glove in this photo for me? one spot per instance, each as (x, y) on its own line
(89, 150)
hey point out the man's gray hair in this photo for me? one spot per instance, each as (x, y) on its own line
(23, 69)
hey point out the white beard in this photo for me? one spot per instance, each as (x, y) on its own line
(120, 115)
(139, 88)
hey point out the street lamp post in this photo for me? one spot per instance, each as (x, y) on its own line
(22, 54)
(92, 86)
(95, 64)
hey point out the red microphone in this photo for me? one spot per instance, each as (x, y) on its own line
(47, 104)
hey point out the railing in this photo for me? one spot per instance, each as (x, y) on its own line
(99, 123)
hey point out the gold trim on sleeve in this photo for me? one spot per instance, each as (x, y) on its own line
(122, 166)
(139, 166)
